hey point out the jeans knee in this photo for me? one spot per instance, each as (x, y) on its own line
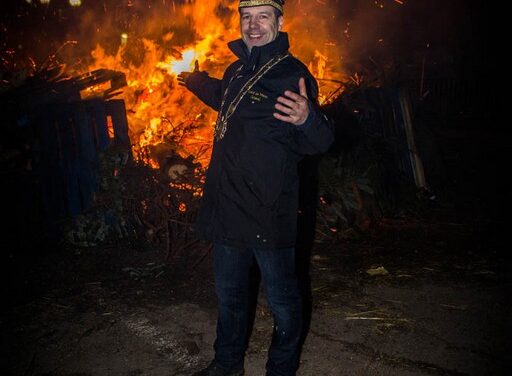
(286, 306)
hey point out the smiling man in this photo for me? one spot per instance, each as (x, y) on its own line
(259, 25)
(268, 120)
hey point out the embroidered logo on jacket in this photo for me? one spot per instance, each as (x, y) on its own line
(256, 96)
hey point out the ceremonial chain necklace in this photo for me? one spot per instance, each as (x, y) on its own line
(222, 119)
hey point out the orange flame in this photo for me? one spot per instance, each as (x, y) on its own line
(158, 109)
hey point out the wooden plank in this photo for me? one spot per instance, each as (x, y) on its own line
(88, 163)
(416, 162)
(69, 158)
(47, 165)
(98, 122)
(117, 111)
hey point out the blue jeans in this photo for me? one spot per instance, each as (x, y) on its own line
(277, 267)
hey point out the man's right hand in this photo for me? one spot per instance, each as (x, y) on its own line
(183, 76)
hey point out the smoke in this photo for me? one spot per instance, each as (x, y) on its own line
(348, 32)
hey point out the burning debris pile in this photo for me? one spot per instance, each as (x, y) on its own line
(69, 165)
(130, 52)
(141, 207)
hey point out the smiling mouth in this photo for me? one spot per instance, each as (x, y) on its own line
(255, 36)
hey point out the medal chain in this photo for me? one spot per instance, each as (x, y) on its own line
(222, 120)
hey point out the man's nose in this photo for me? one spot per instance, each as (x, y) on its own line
(253, 22)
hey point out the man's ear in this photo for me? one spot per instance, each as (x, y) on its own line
(280, 22)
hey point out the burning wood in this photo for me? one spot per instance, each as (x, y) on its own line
(135, 52)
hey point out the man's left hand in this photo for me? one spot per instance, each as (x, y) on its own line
(295, 107)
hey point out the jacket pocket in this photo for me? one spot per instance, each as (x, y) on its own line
(262, 166)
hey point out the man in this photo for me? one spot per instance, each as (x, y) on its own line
(268, 120)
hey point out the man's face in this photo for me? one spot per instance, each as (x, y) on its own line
(259, 25)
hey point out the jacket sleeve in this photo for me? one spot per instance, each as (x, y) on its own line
(316, 135)
(206, 88)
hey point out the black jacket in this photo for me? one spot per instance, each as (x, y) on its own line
(250, 195)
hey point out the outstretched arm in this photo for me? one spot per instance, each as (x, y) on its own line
(206, 88)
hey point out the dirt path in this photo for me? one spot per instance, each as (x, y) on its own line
(441, 309)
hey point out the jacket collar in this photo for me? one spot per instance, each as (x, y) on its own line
(259, 54)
